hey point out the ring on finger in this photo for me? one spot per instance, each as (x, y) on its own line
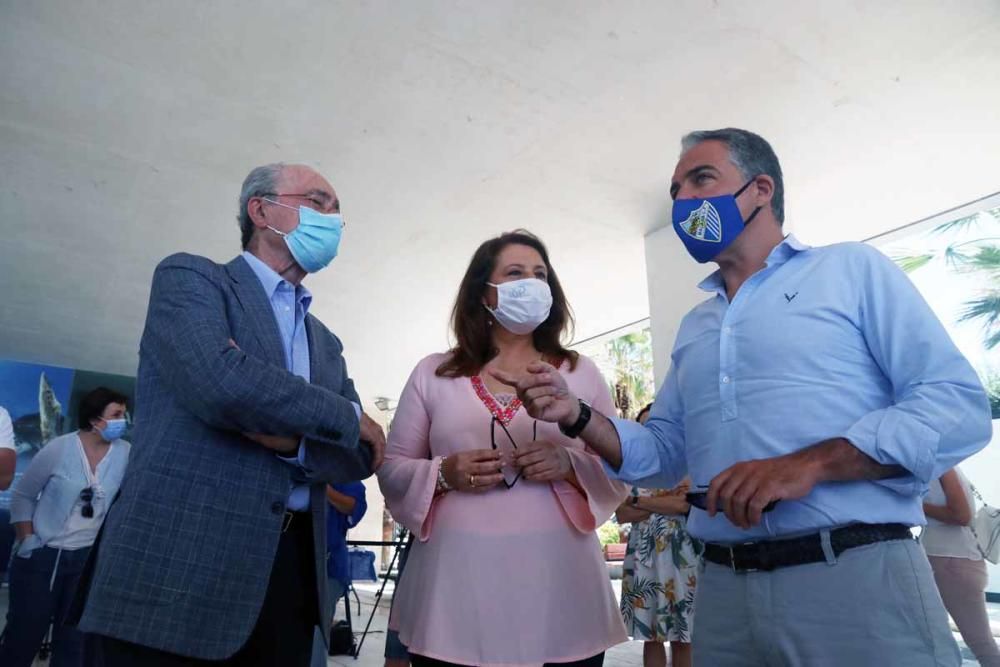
(472, 480)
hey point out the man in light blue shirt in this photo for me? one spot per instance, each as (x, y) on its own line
(813, 397)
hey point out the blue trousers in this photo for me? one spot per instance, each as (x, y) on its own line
(38, 599)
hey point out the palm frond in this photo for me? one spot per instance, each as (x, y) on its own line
(628, 613)
(987, 309)
(646, 550)
(644, 589)
(644, 630)
(992, 385)
(957, 225)
(986, 259)
(992, 340)
(955, 258)
(910, 263)
(632, 362)
(698, 546)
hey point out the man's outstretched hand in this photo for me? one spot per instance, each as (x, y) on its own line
(543, 392)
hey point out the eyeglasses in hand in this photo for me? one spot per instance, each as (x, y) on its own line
(493, 441)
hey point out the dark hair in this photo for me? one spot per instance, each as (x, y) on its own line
(471, 322)
(94, 402)
(643, 411)
(751, 154)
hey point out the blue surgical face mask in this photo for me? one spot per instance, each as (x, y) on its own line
(113, 429)
(708, 226)
(314, 243)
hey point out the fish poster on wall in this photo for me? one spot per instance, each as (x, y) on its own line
(43, 402)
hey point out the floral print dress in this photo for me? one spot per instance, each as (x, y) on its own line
(659, 578)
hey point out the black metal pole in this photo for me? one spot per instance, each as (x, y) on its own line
(378, 596)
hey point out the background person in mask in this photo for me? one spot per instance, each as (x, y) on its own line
(816, 377)
(57, 508)
(215, 549)
(506, 568)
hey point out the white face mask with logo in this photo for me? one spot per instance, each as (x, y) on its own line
(522, 305)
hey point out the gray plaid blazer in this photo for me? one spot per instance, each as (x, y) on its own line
(185, 554)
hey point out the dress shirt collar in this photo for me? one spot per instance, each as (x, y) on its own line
(272, 282)
(781, 253)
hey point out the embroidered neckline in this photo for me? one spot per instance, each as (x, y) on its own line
(502, 414)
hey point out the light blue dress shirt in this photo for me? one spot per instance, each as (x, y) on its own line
(820, 343)
(290, 304)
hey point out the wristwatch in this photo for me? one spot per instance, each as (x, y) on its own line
(581, 422)
(442, 483)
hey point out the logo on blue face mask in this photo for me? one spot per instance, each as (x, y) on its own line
(704, 224)
(708, 226)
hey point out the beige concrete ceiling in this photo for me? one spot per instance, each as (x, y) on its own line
(126, 128)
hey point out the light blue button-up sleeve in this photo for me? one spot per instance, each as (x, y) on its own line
(653, 454)
(941, 414)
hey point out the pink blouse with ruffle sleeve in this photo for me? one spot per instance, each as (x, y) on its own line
(511, 576)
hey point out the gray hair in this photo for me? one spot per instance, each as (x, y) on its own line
(751, 154)
(259, 182)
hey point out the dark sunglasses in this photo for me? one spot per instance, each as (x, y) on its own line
(493, 443)
(87, 496)
(699, 499)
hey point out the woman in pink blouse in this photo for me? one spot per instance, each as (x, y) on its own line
(506, 569)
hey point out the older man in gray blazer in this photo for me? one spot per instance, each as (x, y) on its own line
(213, 552)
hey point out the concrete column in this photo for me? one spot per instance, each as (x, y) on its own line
(672, 277)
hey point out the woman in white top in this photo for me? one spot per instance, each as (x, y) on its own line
(57, 507)
(957, 562)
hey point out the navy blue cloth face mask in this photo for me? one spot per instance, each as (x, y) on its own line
(708, 226)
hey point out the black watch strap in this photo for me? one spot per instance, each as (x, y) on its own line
(581, 422)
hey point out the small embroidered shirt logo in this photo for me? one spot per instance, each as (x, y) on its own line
(790, 297)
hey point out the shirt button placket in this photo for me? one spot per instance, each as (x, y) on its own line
(727, 364)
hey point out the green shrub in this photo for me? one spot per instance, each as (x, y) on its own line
(608, 533)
